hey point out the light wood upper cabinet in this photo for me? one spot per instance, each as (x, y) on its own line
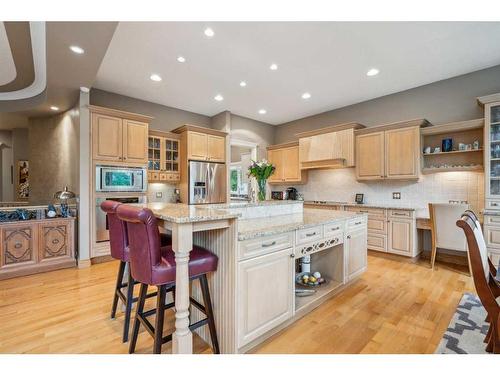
(119, 136)
(291, 171)
(216, 149)
(206, 147)
(402, 153)
(390, 151)
(107, 137)
(135, 141)
(275, 157)
(197, 146)
(370, 158)
(285, 158)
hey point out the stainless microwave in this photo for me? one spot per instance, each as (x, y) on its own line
(120, 179)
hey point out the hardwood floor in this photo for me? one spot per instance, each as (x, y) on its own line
(396, 307)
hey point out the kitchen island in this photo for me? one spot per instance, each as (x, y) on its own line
(260, 247)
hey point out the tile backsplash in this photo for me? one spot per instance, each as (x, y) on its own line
(341, 185)
(166, 190)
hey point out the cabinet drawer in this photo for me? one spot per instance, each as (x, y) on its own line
(401, 213)
(492, 237)
(356, 223)
(492, 203)
(264, 245)
(372, 211)
(377, 225)
(155, 176)
(309, 234)
(377, 242)
(163, 176)
(314, 247)
(332, 229)
(492, 220)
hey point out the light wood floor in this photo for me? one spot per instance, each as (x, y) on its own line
(395, 307)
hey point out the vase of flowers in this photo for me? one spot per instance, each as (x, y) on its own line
(261, 171)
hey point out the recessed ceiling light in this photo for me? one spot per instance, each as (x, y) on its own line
(274, 67)
(54, 108)
(243, 83)
(84, 89)
(76, 49)
(306, 95)
(181, 59)
(209, 32)
(155, 77)
(372, 72)
(219, 97)
(262, 111)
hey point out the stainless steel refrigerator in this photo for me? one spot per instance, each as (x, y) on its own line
(207, 182)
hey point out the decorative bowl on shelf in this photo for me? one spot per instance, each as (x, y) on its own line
(308, 280)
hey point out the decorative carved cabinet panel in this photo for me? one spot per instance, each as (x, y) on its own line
(36, 246)
(55, 240)
(18, 244)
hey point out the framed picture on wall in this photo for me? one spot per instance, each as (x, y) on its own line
(23, 184)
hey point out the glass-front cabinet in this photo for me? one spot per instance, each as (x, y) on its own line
(492, 150)
(163, 157)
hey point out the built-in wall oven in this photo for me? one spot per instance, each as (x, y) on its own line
(120, 179)
(101, 221)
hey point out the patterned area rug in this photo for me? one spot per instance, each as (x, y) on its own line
(467, 329)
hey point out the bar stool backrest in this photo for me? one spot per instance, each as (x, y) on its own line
(144, 241)
(118, 239)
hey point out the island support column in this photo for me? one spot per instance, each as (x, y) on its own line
(182, 244)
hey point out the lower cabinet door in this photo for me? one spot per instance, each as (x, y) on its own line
(357, 253)
(18, 247)
(265, 294)
(400, 237)
(56, 240)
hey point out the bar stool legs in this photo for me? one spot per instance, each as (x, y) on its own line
(209, 313)
(119, 280)
(157, 331)
(127, 300)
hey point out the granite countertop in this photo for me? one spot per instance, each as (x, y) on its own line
(184, 213)
(367, 205)
(265, 226)
(254, 204)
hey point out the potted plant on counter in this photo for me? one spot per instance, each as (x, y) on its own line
(261, 171)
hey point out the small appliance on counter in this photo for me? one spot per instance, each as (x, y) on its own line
(277, 195)
(291, 194)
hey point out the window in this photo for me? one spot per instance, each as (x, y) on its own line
(238, 184)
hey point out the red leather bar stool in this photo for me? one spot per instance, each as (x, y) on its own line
(152, 264)
(118, 240)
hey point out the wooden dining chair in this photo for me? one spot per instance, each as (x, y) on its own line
(485, 283)
(444, 233)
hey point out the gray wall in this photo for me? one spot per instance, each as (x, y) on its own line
(449, 100)
(165, 118)
(246, 129)
(54, 155)
(6, 155)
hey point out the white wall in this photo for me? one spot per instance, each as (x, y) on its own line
(166, 190)
(341, 185)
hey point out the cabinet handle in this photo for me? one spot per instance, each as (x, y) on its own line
(292, 255)
(398, 214)
(358, 222)
(349, 237)
(494, 204)
(336, 228)
(363, 211)
(269, 244)
(310, 234)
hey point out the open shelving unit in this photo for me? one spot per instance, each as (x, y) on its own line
(466, 132)
(329, 262)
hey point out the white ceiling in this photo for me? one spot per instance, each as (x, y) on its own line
(327, 59)
(8, 68)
